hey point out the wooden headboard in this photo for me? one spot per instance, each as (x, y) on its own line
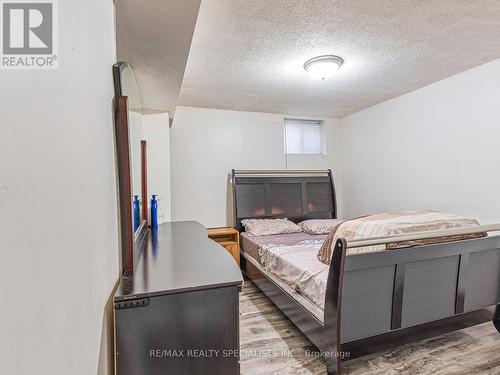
(296, 195)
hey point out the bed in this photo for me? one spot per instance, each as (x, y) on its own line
(368, 301)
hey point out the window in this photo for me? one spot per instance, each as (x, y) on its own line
(304, 137)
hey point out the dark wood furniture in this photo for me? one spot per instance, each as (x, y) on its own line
(228, 238)
(296, 195)
(176, 306)
(124, 166)
(124, 182)
(177, 313)
(375, 300)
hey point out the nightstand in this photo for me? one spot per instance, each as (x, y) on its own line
(229, 238)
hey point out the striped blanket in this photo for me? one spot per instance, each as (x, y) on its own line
(396, 223)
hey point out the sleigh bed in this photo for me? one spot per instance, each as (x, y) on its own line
(367, 301)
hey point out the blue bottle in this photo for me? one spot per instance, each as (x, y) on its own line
(137, 212)
(154, 212)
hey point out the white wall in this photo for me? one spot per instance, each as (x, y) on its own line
(437, 147)
(156, 132)
(136, 134)
(58, 203)
(207, 143)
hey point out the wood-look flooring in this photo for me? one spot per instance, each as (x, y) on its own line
(270, 344)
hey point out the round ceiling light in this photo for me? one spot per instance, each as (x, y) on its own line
(323, 67)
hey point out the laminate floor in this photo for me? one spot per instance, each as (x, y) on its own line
(270, 344)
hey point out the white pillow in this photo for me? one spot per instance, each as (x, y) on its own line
(265, 227)
(319, 226)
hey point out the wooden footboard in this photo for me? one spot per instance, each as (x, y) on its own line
(376, 294)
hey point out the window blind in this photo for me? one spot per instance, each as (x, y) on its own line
(306, 137)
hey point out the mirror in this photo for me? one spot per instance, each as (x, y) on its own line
(126, 85)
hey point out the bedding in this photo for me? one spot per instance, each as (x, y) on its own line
(301, 260)
(396, 223)
(264, 227)
(292, 258)
(319, 226)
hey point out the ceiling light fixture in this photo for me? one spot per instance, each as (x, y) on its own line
(323, 67)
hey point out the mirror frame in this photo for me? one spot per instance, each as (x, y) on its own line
(129, 239)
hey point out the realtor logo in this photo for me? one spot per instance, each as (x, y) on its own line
(28, 34)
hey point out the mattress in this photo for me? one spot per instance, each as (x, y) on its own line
(291, 258)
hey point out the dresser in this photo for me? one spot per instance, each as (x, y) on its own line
(178, 313)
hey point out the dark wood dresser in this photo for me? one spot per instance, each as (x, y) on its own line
(178, 312)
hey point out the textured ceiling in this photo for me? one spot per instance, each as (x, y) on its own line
(248, 54)
(154, 36)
